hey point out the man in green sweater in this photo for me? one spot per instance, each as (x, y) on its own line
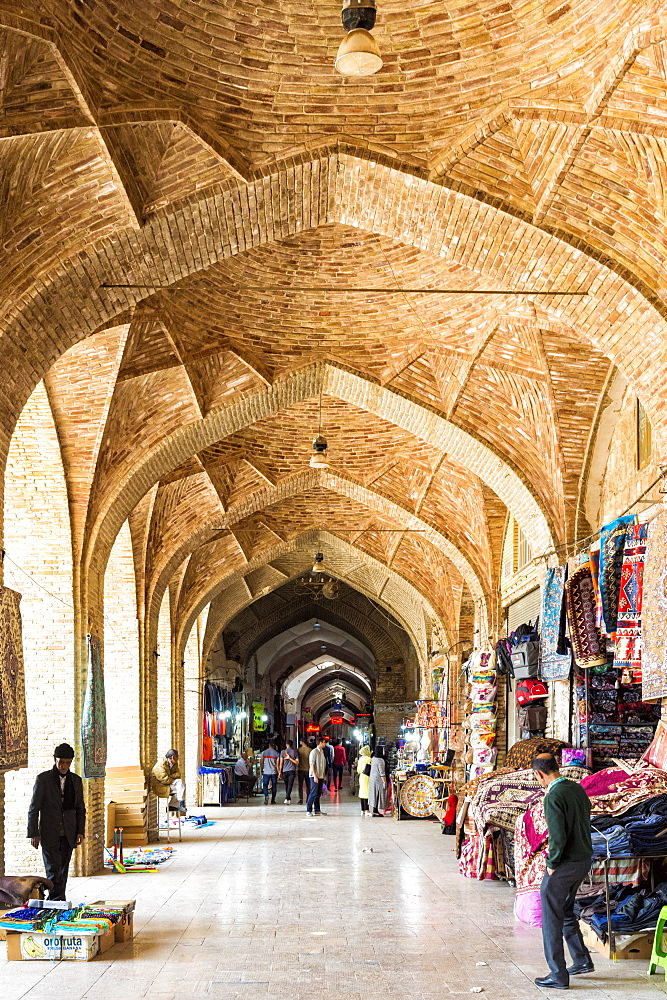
(567, 809)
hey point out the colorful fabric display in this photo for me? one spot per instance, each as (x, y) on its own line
(483, 710)
(484, 755)
(479, 738)
(587, 643)
(612, 545)
(483, 693)
(553, 665)
(629, 620)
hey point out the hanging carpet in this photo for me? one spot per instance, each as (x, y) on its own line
(94, 720)
(588, 646)
(13, 717)
(654, 611)
(629, 622)
(554, 666)
(612, 545)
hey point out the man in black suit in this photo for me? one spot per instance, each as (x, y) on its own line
(57, 817)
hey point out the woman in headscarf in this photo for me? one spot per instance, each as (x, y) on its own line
(363, 770)
(377, 796)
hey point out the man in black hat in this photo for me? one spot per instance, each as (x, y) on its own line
(57, 817)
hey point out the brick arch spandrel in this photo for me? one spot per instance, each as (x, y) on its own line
(423, 423)
(407, 605)
(38, 564)
(210, 569)
(477, 580)
(69, 304)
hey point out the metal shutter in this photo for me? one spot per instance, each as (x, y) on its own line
(526, 609)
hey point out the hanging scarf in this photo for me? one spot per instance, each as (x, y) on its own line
(588, 645)
(612, 544)
(69, 798)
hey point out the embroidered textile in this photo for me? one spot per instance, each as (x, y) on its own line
(625, 791)
(654, 611)
(94, 720)
(612, 544)
(13, 718)
(588, 645)
(554, 666)
(521, 754)
(531, 846)
(629, 622)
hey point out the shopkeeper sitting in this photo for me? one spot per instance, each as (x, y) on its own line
(167, 782)
(243, 776)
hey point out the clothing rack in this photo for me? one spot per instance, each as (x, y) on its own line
(611, 935)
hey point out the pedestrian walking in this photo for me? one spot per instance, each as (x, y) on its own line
(57, 818)
(364, 773)
(288, 764)
(339, 763)
(302, 772)
(268, 766)
(567, 810)
(317, 773)
(377, 791)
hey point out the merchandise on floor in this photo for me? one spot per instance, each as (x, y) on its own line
(47, 931)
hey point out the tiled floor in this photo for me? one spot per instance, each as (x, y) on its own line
(266, 904)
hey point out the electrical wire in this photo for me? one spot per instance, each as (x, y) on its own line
(108, 621)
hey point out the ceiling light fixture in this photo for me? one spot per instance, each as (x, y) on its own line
(316, 584)
(358, 53)
(318, 460)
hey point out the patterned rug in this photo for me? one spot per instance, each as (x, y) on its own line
(654, 611)
(94, 721)
(13, 717)
(554, 666)
(612, 544)
(629, 623)
(588, 646)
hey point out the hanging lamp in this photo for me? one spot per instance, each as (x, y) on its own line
(358, 53)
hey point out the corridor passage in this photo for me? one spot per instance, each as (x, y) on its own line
(270, 906)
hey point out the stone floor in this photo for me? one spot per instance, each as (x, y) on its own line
(268, 905)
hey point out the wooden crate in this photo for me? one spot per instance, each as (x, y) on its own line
(126, 788)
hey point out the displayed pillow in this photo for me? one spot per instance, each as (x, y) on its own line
(483, 693)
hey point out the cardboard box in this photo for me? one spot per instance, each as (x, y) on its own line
(79, 947)
(124, 929)
(28, 946)
(107, 941)
(637, 946)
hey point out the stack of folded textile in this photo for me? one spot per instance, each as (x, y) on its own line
(640, 831)
(637, 912)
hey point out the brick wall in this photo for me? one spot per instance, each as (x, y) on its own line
(121, 654)
(164, 727)
(37, 538)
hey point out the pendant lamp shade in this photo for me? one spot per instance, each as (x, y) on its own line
(358, 54)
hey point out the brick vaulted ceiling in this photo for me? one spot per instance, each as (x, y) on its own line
(207, 151)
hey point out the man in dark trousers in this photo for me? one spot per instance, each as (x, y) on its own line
(567, 809)
(57, 817)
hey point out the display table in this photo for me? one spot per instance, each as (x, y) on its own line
(420, 794)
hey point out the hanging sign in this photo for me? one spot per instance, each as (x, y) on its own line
(312, 729)
(257, 713)
(336, 720)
